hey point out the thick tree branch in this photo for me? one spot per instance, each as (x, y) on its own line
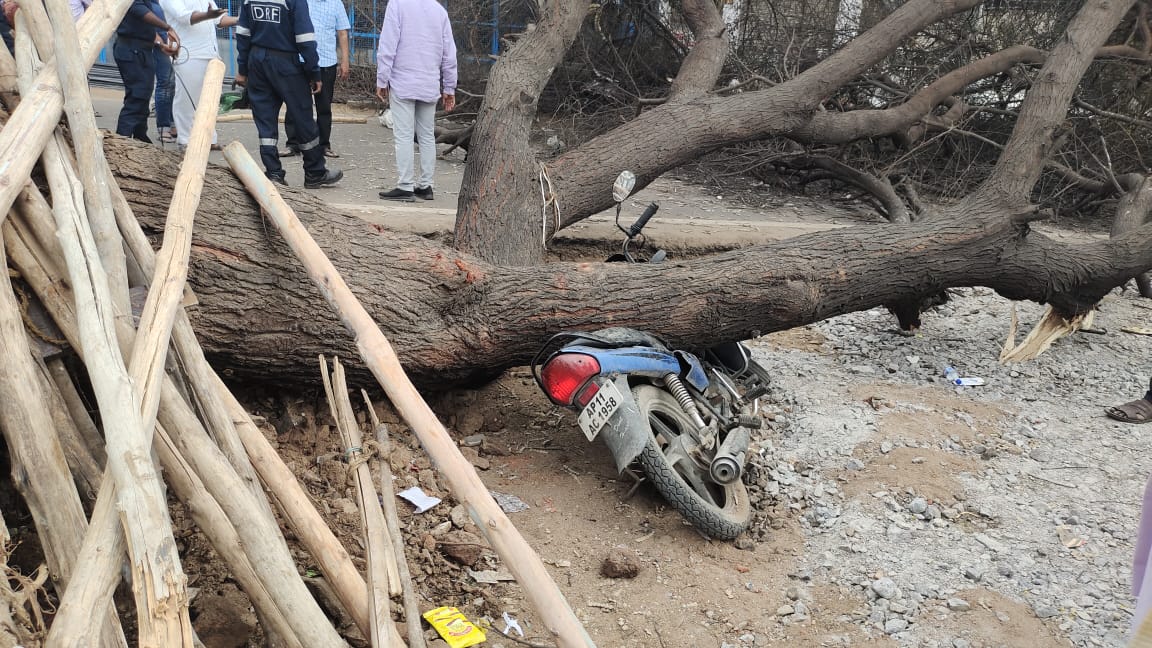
(706, 123)
(1132, 212)
(880, 188)
(839, 128)
(1046, 105)
(700, 69)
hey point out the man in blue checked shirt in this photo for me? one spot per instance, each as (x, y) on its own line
(330, 24)
(276, 60)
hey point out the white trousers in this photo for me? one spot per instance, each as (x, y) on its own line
(410, 116)
(189, 82)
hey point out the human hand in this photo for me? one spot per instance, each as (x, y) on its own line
(316, 86)
(449, 101)
(382, 93)
(242, 80)
(215, 13)
(173, 39)
(342, 70)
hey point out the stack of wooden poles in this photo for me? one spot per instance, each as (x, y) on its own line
(82, 253)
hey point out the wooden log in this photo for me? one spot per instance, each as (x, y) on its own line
(85, 471)
(371, 516)
(94, 173)
(522, 561)
(392, 517)
(31, 124)
(166, 288)
(76, 408)
(39, 468)
(158, 581)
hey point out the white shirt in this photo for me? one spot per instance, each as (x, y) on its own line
(196, 41)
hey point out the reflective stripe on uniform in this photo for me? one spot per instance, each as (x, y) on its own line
(308, 146)
(243, 31)
(269, 141)
(304, 38)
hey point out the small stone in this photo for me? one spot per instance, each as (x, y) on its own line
(918, 505)
(463, 547)
(1045, 611)
(854, 464)
(960, 643)
(885, 447)
(475, 459)
(885, 588)
(745, 543)
(932, 512)
(892, 626)
(1005, 571)
(459, 516)
(958, 605)
(620, 562)
(785, 610)
(973, 574)
(472, 441)
(1041, 455)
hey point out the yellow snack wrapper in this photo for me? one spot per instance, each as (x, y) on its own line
(458, 631)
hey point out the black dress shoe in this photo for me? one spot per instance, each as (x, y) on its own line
(423, 192)
(329, 177)
(398, 194)
(278, 178)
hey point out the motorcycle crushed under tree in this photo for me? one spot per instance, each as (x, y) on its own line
(685, 419)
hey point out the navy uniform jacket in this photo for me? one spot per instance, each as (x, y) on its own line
(133, 25)
(281, 25)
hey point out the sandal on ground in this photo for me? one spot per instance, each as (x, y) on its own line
(1137, 411)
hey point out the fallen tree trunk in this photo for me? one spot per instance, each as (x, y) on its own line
(452, 317)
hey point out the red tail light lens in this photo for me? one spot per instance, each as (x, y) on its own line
(567, 373)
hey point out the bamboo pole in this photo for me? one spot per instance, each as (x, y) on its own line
(392, 516)
(522, 561)
(372, 518)
(158, 580)
(42, 473)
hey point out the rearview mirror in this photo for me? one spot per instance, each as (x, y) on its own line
(623, 186)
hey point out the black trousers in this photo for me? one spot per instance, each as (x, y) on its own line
(138, 71)
(275, 79)
(323, 100)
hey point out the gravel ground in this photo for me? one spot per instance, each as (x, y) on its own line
(1018, 499)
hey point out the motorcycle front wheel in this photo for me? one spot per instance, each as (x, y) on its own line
(720, 511)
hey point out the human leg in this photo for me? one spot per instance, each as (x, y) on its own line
(324, 106)
(265, 113)
(426, 135)
(1137, 411)
(189, 82)
(403, 127)
(138, 72)
(164, 92)
(293, 88)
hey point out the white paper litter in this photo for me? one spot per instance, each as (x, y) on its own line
(512, 624)
(421, 500)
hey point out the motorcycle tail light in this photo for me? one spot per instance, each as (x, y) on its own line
(565, 374)
(586, 394)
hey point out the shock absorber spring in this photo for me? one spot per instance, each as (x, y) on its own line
(680, 392)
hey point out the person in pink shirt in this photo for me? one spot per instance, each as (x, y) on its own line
(415, 68)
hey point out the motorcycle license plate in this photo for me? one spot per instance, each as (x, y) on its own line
(603, 405)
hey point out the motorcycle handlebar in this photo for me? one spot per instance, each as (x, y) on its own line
(643, 220)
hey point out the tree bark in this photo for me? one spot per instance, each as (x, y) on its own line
(452, 317)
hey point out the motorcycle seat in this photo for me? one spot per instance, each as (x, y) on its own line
(617, 337)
